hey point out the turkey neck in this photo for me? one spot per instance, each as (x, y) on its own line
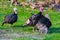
(15, 13)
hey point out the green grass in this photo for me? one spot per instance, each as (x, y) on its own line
(23, 15)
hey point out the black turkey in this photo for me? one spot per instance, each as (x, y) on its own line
(11, 18)
(40, 22)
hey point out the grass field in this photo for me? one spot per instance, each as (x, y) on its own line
(26, 33)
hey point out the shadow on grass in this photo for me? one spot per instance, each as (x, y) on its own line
(54, 30)
(18, 26)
